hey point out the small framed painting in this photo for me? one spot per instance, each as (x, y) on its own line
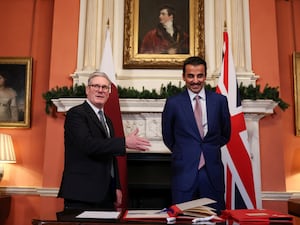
(15, 91)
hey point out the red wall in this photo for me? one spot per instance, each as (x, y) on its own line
(265, 63)
(275, 35)
(45, 31)
(48, 31)
(288, 25)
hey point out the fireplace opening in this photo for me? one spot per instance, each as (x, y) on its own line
(149, 177)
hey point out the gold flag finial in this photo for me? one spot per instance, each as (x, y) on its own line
(225, 26)
(107, 23)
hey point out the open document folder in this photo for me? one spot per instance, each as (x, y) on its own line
(196, 208)
(187, 210)
(145, 214)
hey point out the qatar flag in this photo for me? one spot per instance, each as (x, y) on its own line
(112, 109)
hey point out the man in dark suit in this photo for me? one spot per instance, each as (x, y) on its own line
(197, 169)
(90, 178)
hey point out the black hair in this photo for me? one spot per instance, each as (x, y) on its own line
(194, 60)
(171, 10)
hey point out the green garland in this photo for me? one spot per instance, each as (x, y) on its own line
(77, 91)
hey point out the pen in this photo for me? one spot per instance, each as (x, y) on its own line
(164, 210)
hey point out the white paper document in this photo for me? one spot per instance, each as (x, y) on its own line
(99, 215)
(139, 213)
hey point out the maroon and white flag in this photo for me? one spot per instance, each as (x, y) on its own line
(112, 108)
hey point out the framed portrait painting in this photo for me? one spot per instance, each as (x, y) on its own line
(296, 67)
(15, 91)
(160, 34)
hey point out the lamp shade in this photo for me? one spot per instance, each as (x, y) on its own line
(7, 152)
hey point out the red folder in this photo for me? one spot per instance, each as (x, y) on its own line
(255, 215)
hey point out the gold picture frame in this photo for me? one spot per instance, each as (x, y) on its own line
(135, 21)
(296, 67)
(15, 97)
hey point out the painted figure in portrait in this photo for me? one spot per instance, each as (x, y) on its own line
(8, 101)
(168, 36)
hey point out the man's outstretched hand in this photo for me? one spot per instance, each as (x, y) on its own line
(133, 141)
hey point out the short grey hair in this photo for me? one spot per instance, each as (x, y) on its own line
(98, 74)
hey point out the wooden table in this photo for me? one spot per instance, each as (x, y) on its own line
(69, 219)
(5, 201)
(294, 206)
(41, 222)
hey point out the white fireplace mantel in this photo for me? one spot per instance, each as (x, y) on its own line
(146, 115)
(128, 105)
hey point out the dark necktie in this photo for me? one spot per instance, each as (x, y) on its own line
(198, 117)
(103, 122)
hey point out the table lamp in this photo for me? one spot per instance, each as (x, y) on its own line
(7, 152)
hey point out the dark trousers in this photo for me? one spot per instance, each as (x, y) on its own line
(202, 188)
(74, 204)
(106, 203)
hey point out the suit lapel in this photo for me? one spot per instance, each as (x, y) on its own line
(110, 126)
(94, 117)
(210, 109)
(187, 109)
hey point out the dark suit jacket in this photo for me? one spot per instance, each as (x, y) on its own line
(182, 137)
(88, 156)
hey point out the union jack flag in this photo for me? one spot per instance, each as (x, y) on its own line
(240, 191)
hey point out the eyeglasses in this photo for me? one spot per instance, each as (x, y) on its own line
(97, 87)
